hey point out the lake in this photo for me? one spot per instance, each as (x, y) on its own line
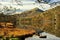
(49, 37)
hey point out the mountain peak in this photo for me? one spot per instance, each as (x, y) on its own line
(37, 9)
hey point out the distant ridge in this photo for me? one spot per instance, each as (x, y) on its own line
(30, 12)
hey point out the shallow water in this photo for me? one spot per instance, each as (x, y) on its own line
(49, 37)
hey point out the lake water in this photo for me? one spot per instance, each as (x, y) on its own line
(49, 37)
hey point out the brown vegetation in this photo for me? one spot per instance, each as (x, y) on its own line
(9, 31)
(48, 21)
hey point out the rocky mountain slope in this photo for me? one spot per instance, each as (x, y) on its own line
(47, 21)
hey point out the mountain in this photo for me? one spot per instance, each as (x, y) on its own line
(47, 1)
(55, 3)
(21, 17)
(47, 21)
(24, 5)
(52, 1)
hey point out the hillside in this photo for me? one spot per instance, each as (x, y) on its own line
(28, 13)
(47, 21)
(7, 18)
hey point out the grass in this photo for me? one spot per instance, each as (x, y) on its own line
(15, 38)
(10, 38)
